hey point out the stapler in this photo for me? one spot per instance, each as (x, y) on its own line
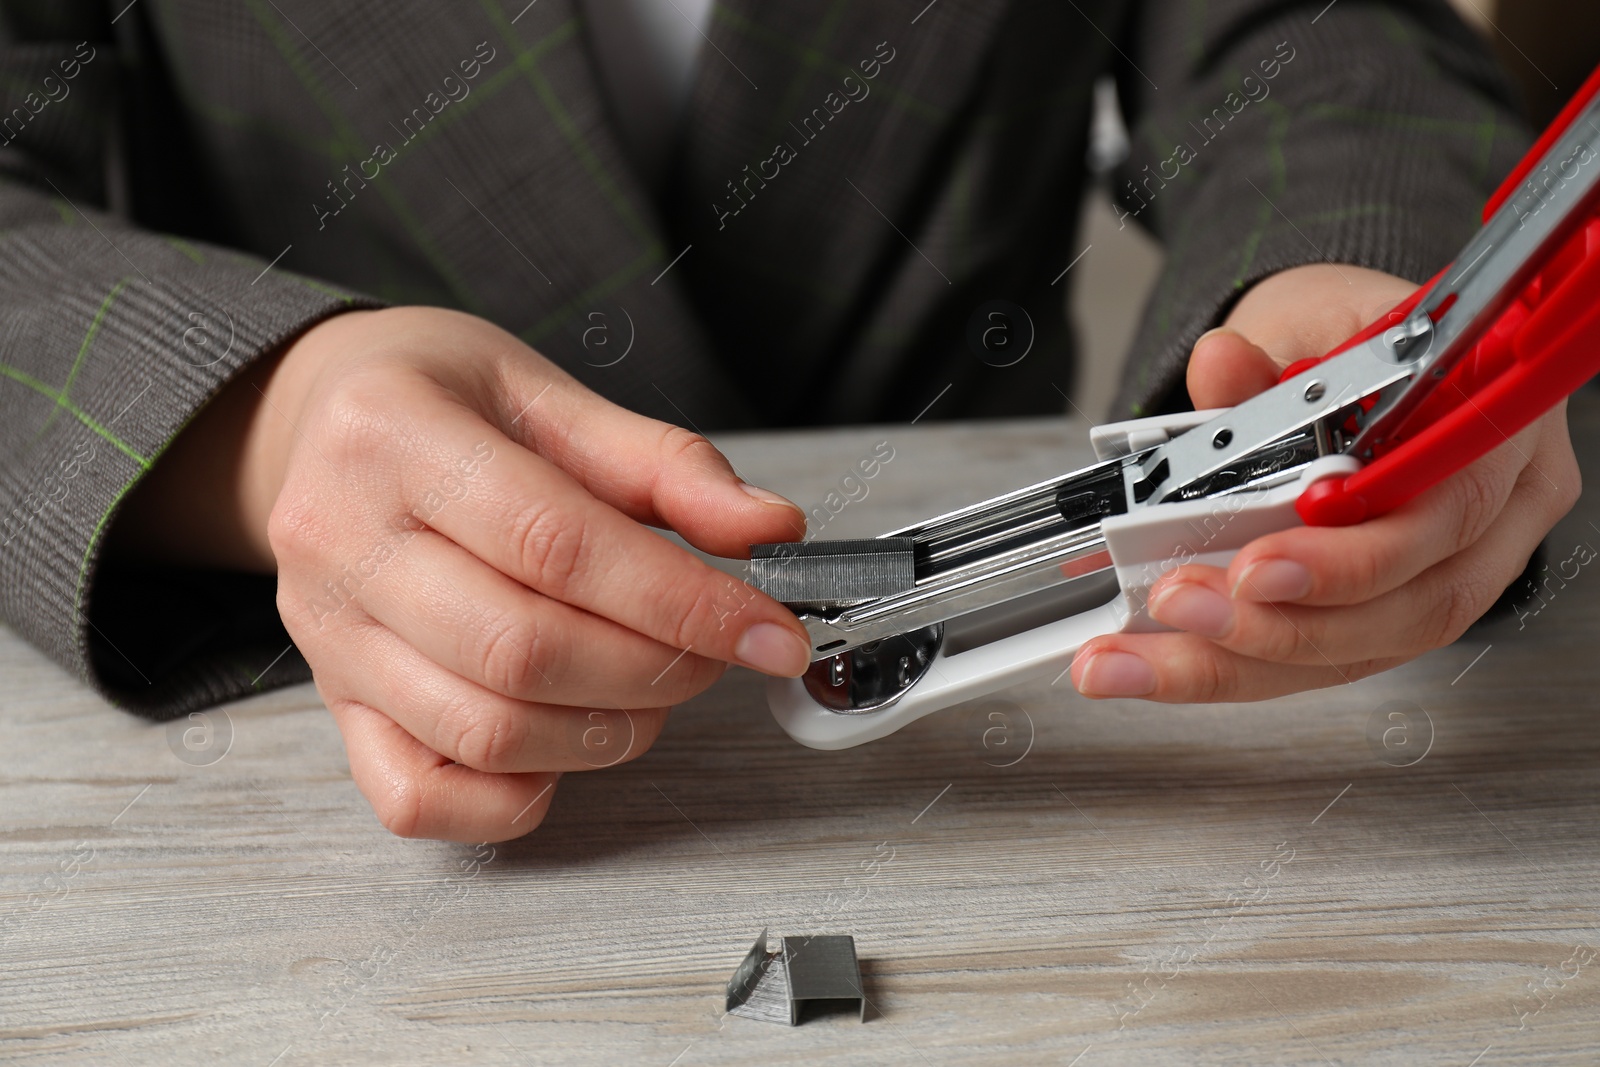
(1006, 590)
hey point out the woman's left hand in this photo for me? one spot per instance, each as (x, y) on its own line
(1311, 607)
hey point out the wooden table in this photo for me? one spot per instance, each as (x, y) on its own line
(1036, 879)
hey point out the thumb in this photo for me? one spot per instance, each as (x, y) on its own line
(1226, 369)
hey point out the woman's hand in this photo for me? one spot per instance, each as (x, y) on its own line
(1311, 607)
(457, 530)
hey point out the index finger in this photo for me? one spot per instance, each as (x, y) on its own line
(534, 523)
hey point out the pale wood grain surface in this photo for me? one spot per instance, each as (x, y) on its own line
(1072, 907)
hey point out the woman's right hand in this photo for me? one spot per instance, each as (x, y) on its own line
(456, 527)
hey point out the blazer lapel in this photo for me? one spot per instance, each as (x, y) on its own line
(614, 314)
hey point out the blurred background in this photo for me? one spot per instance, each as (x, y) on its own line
(1547, 46)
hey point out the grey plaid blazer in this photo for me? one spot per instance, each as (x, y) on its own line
(184, 184)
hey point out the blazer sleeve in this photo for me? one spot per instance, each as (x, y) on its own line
(1269, 134)
(111, 339)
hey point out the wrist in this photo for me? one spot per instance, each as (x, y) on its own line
(205, 501)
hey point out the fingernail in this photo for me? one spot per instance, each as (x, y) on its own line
(1191, 607)
(772, 649)
(766, 496)
(1117, 674)
(1273, 580)
(1213, 333)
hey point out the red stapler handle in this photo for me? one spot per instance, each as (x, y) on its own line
(1541, 348)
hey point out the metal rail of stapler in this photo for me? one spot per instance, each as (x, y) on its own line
(1006, 590)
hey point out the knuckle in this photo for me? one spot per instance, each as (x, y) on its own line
(1561, 489)
(481, 738)
(703, 616)
(679, 445)
(1288, 643)
(291, 609)
(514, 656)
(550, 546)
(1571, 479)
(400, 810)
(1213, 676)
(398, 801)
(355, 424)
(1457, 606)
(1571, 490)
(1363, 574)
(1479, 499)
(1282, 638)
(297, 527)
